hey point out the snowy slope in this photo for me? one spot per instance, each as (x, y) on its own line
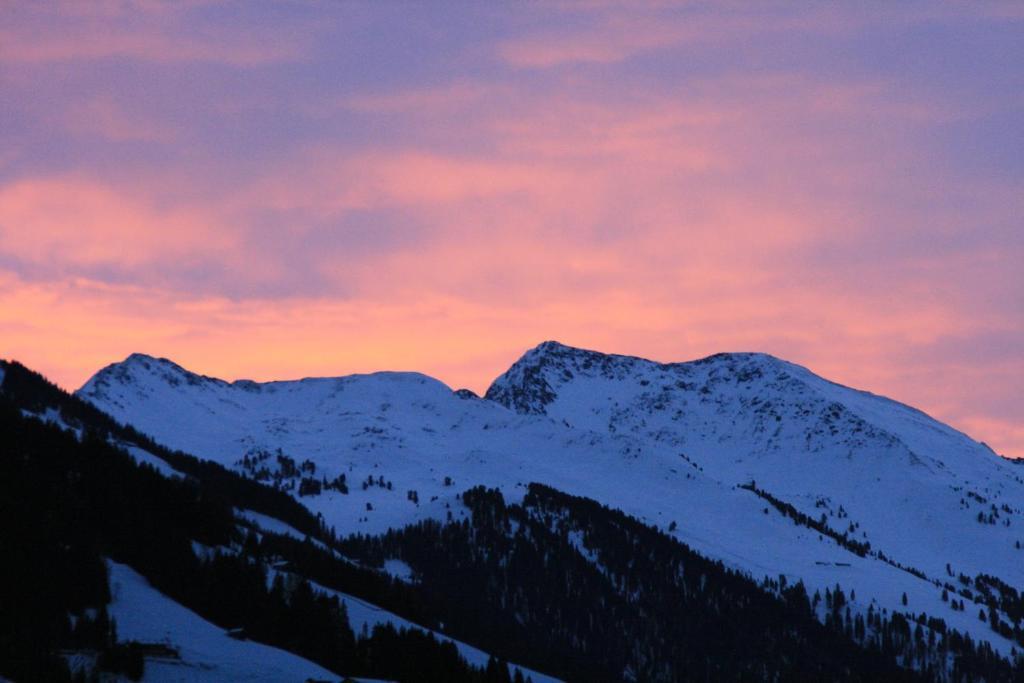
(205, 652)
(897, 473)
(363, 616)
(661, 442)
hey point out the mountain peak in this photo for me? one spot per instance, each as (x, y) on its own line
(149, 362)
(139, 357)
(527, 386)
(552, 349)
(141, 369)
(531, 383)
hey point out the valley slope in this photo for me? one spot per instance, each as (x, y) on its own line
(723, 452)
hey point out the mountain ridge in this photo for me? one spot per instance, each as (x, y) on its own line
(748, 458)
(513, 389)
(120, 370)
(544, 353)
(548, 352)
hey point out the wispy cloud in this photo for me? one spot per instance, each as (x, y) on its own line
(833, 185)
(64, 224)
(39, 33)
(103, 117)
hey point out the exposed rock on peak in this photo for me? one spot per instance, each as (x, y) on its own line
(532, 383)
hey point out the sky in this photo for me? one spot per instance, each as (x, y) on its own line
(278, 190)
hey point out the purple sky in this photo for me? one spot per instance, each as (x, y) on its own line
(272, 189)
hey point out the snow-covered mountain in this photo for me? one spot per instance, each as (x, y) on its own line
(140, 601)
(912, 485)
(745, 457)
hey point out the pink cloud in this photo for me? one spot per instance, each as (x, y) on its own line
(606, 33)
(101, 116)
(74, 222)
(71, 328)
(148, 31)
(455, 225)
(674, 184)
(446, 98)
(613, 40)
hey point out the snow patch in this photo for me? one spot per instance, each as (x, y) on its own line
(399, 570)
(144, 457)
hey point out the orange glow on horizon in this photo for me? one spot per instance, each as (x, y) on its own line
(273, 196)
